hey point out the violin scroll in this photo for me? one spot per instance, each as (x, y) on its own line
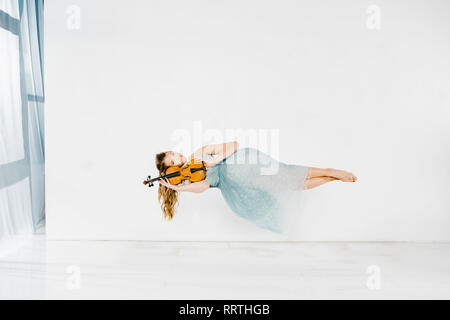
(148, 182)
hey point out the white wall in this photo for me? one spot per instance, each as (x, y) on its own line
(136, 73)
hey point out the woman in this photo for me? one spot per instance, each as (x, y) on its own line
(254, 185)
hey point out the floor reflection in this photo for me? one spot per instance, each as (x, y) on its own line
(221, 270)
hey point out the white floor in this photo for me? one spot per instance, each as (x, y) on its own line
(42, 269)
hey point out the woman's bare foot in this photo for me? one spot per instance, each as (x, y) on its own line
(343, 175)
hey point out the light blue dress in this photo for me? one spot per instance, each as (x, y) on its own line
(257, 187)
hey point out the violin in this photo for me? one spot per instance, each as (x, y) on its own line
(194, 171)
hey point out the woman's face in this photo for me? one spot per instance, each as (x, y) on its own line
(174, 159)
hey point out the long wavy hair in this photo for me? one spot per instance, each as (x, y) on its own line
(166, 196)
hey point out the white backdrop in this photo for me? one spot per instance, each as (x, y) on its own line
(346, 84)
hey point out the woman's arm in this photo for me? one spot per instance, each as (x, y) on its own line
(195, 187)
(221, 151)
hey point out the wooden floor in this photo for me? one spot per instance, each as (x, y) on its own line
(41, 269)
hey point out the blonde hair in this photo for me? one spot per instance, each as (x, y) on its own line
(166, 196)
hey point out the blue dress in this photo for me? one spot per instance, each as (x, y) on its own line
(257, 187)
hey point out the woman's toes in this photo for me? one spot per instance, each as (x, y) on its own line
(349, 177)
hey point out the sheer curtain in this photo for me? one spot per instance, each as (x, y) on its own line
(21, 118)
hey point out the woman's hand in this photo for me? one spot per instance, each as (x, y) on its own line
(167, 184)
(208, 163)
(195, 187)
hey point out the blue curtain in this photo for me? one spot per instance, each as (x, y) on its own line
(22, 154)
